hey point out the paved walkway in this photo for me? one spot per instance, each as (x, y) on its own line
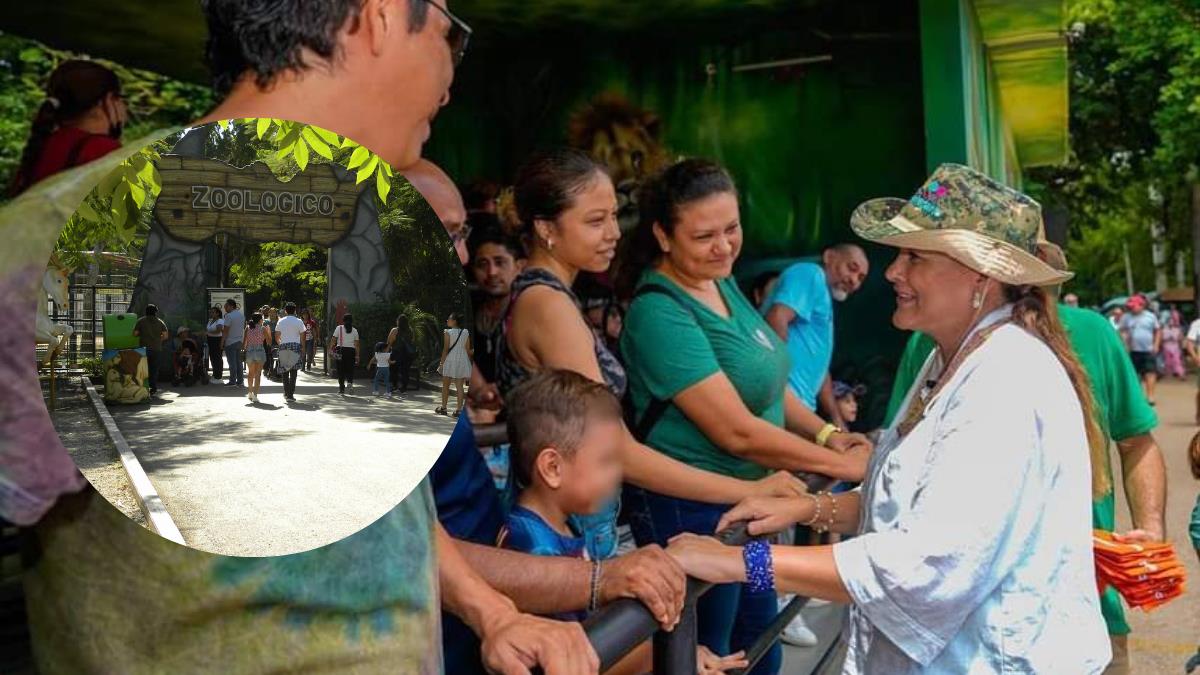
(1163, 640)
(273, 478)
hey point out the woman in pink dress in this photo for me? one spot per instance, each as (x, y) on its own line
(1172, 347)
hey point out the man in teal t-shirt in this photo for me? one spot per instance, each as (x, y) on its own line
(1126, 418)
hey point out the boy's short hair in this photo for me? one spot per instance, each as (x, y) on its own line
(381, 346)
(551, 410)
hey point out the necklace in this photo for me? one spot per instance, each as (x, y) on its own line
(919, 403)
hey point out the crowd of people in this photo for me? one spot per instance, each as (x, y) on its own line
(688, 343)
(694, 415)
(271, 342)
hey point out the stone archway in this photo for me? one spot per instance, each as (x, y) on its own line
(202, 198)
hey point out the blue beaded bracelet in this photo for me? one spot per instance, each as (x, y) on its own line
(760, 572)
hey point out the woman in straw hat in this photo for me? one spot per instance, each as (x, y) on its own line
(975, 552)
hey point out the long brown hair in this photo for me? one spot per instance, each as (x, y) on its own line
(1035, 311)
(74, 88)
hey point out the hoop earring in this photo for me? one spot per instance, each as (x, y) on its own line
(977, 300)
(549, 244)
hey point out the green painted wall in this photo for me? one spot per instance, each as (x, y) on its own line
(806, 146)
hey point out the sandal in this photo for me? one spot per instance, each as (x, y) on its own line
(457, 412)
(439, 411)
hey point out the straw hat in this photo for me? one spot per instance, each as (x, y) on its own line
(966, 215)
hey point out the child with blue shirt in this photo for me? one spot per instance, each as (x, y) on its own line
(383, 362)
(566, 433)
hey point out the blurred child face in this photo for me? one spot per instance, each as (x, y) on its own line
(613, 325)
(592, 475)
(848, 407)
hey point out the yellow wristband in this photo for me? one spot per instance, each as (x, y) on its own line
(824, 434)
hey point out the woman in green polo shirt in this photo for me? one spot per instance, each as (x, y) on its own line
(708, 380)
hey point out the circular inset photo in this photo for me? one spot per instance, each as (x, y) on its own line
(252, 340)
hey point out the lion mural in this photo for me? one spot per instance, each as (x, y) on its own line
(624, 138)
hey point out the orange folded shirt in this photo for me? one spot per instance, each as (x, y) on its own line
(1146, 575)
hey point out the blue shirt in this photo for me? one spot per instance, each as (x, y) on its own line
(803, 289)
(236, 322)
(528, 532)
(470, 509)
(1141, 328)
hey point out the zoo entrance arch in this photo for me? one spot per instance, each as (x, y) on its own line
(202, 197)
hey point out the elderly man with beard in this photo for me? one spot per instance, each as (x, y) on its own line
(800, 309)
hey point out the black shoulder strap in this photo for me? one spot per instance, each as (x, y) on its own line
(657, 407)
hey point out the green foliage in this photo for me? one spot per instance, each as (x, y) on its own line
(1135, 130)
(425, 268)
(277, 272)
(375, 320)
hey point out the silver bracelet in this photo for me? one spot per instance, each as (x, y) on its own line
(594, 601)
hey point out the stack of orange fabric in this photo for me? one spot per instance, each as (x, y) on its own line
(1146, 575)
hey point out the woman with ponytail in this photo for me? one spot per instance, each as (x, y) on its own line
(974, 551)
(80, 120)
(568, 206)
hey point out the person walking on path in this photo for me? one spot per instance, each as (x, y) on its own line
(212, 334)
(400, 344)
(345, 346)
(1143, 338)
(1172, 346)
(231, 342)
(382, 360)
(455, 366)
(312, 338)
(270, 318)
(256, 338)
(151, 331)
(289, 336)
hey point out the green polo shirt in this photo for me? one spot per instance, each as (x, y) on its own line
(1123, 410)
(671, 343)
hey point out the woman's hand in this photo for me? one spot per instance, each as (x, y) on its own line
(778, 484)
(767, 515)
(708, 559)
(708, 663)
(843, 441)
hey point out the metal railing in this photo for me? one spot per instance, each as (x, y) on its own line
(619, 627)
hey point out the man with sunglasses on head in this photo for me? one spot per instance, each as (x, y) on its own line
(367, 603)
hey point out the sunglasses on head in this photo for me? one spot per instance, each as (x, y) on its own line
(459, 35)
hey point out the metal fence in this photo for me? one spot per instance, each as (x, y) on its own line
(86, 307)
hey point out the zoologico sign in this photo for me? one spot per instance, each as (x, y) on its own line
(201, 197)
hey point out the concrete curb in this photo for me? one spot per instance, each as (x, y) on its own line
(156, 514)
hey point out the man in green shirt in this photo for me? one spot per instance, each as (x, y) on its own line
(1125, 416)
(151, 331)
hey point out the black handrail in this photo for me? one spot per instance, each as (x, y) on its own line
(619, 627)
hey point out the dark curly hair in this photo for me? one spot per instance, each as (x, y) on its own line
(270, 36)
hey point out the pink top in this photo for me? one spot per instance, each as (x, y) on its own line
(254, 336)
